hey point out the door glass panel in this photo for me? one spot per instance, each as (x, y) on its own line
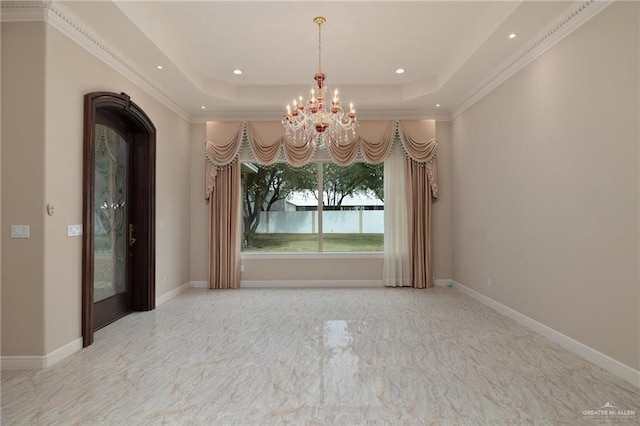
(110, 221)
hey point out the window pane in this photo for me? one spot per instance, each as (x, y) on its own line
(280, 208)
(353, 207)
(279, 204)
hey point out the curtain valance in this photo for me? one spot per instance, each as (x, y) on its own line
(224, 146)
(268, 144)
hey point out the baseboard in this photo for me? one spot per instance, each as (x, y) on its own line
(300, 284)
(40, 362)
(171, 294)
(198, 284)
(313, 284)
(63, 352)
(442, 283)
(613, 366)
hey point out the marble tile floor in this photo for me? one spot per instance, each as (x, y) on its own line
(317, 357)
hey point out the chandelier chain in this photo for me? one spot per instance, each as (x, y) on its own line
(319, 44)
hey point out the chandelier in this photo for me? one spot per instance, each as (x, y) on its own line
(316, 122)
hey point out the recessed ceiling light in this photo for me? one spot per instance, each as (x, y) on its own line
(158, 67)
(203, 107)
(437, 105)
(513, 35)
(237, 71)
(400, 71)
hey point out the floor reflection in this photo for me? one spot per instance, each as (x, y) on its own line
(346, 380)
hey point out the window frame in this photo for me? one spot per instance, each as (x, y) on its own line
(319, 161)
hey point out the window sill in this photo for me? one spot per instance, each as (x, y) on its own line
(313, 255)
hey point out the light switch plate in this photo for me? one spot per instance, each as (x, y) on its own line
(20, 231)
(74, 230)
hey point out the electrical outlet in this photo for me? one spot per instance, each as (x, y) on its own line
(241, 268)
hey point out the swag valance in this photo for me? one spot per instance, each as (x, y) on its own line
(373, 143)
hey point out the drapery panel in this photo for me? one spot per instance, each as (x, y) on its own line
(419, 200)
(421, 151)
(224, 229)
(396, 270)
(223, 193)
(373, 143)
(422, 191)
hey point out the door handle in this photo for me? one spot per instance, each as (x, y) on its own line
(131, 239)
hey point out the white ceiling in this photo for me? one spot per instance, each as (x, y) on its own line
(449, 49)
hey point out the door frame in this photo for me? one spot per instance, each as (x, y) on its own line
(143, 151)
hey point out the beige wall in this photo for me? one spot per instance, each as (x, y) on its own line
(45, 166)
(1, 223)
(442, 210)
(23, 174)
(318, 267)
(360, 269)
(199, 208)
(546, 188)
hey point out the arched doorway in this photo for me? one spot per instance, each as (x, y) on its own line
(118, 248)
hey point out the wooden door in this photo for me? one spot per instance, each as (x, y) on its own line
(119, 211)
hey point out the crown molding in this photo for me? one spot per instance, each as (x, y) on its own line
(65, 21)
(563, 25)
(205, 116)
(69, 24)
(23, 11)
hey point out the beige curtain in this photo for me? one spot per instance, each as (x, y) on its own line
(396, 269)
(223, 193)
(224, 231)
(268, 144)
(224, 140)
(373, 143)
(422, 192)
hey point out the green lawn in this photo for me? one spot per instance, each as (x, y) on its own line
(309, 242)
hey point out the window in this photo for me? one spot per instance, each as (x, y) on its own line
(283, 213)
